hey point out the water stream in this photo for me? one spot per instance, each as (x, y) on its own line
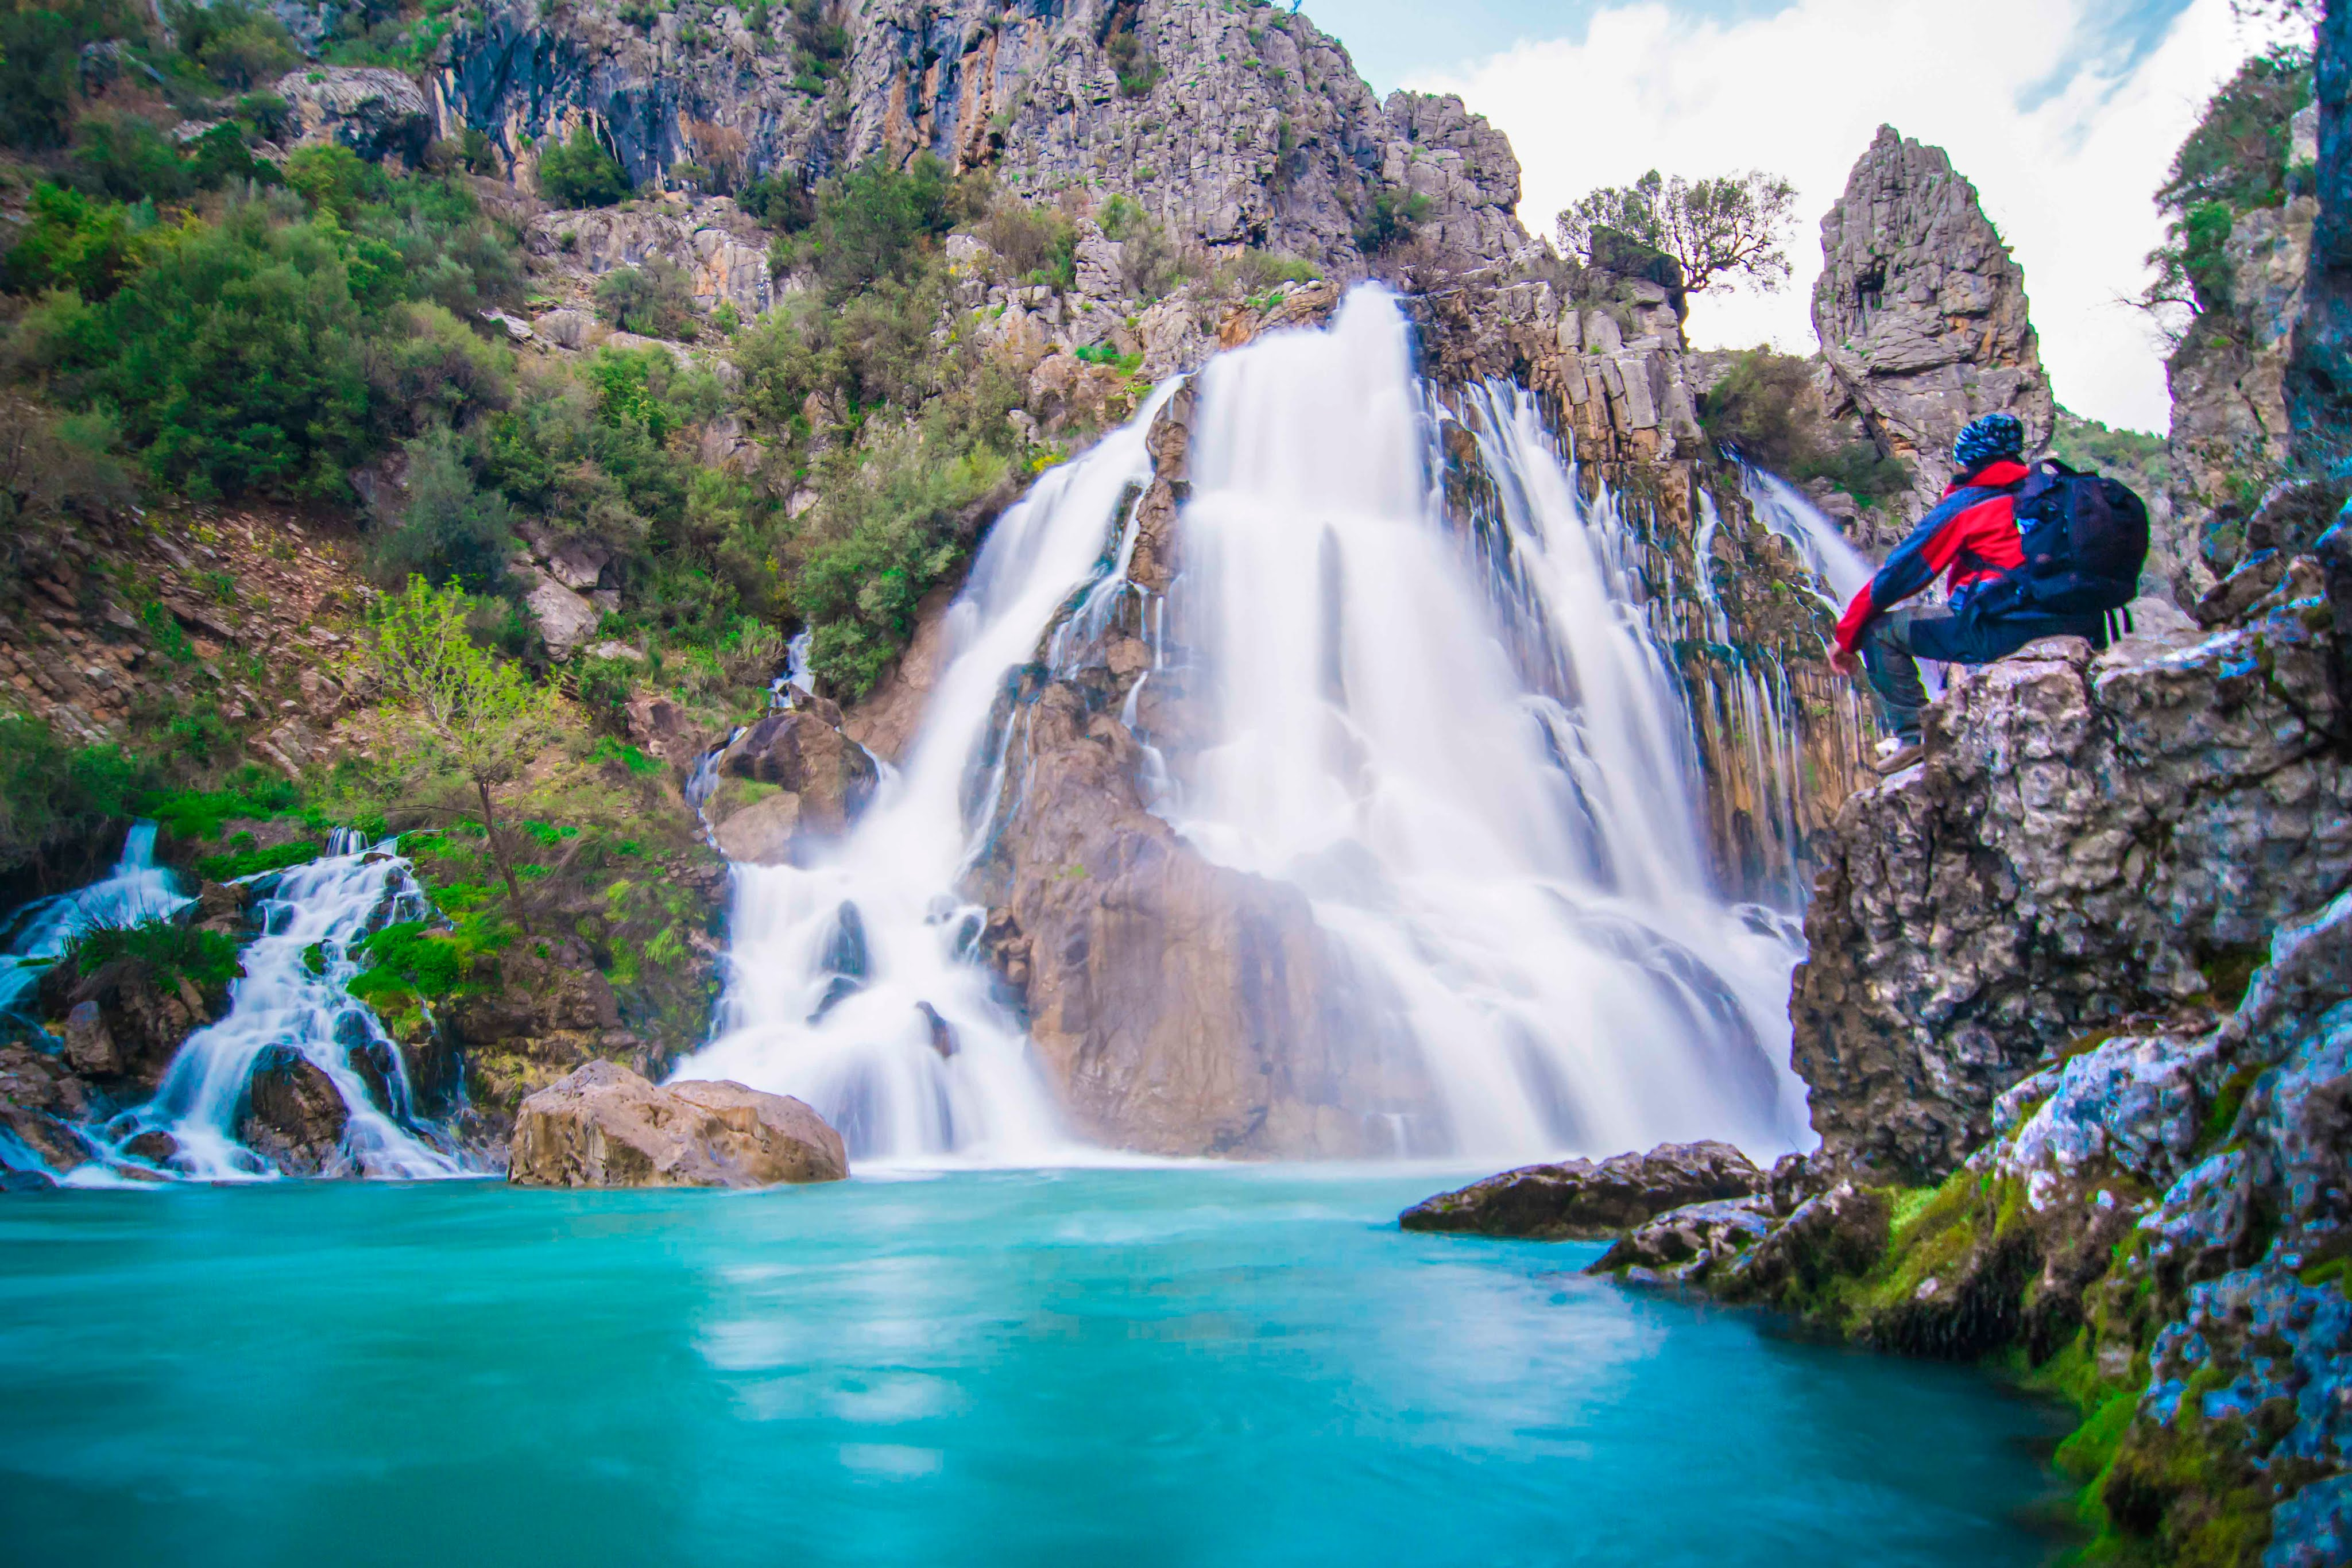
(135, 892)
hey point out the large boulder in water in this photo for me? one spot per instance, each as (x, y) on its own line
(294, 1116)
(1582, 1201)
(604, 1126)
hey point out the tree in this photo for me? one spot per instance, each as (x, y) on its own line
(1733, 226)
(465, 710)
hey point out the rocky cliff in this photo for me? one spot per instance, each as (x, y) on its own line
(1237, 126)
(1921, 312)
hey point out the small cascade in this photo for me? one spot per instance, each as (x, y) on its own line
(135, 892)
(851, 982)
(1836, 565)
(293, 996)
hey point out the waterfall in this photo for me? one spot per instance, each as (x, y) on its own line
(852, 982)
(1474, 762)
(293, 994)
(1467, 747)
(135, 892)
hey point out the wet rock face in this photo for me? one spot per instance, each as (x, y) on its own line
(1922, 312)
(1579, 1200)
(604, 1126)
(294, 1118)
(2091, 839)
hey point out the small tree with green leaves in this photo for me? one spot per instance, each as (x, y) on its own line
(463, 709)
(581, 174)
(1733, 227)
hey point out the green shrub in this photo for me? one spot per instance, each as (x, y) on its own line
(877, 222)
(207, 958)
(1765, 409)
(450, 529)
(417, 957)
(51, 794)
(237, 43)
(200, 813)
(1390, 219)
(72, 241)
(783, 202)
(581, 174)
(655, 301)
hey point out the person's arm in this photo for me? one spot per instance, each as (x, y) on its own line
(1932, 548)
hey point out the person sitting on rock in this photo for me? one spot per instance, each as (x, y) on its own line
(1972, 537)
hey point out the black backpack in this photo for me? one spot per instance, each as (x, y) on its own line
(2085, 539)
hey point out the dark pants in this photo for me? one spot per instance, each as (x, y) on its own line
(1894, 640)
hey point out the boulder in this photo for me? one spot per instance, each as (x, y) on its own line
(764, 832)
(379, 114)
(88, 1046)
(294, 1117)
(604, 1126)
(805, 752)
(1579, 1200)
(565, 620)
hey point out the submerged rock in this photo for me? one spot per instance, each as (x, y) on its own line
(604, 1126)
(1579, 1200)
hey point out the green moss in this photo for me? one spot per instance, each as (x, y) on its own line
(2091, 1447)
(200, 813)
(2223, 1115)
(415, 957)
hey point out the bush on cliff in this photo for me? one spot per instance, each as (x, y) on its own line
(580, 174)
(1765, 409)
(2234, 161)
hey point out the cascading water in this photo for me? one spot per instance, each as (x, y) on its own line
(293, 994)
(1471, 756)
(135, 892)
(1782, 507)
(851, 981)
(1483, 786)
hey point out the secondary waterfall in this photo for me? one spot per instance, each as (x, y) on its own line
(1464, 746)
(843, 976)
(293, 995)
(136, 890)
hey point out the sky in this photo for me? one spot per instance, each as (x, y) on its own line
(2064, 113)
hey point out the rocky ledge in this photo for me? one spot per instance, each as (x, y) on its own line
(1579, 1200)
(604, 1126)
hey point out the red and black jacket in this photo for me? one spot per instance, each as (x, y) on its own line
(1970, 536)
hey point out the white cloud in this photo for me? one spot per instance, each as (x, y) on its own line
(1800, 93)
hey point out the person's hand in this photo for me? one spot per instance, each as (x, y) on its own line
(1844, 661)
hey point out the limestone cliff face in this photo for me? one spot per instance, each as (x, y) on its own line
(1232, 126)
(2092, 839)
(1922, 311)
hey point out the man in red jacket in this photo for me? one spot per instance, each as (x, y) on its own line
(1971, 537)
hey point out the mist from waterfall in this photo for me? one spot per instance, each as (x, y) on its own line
(1470, 754)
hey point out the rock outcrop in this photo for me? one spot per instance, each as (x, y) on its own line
(604, 1126)
(721, 250)
(2091, 838)
(1922, 312)
(379, 114)
(1580, 1200)
(788, 782)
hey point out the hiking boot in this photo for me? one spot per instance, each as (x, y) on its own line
(1895, 753)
